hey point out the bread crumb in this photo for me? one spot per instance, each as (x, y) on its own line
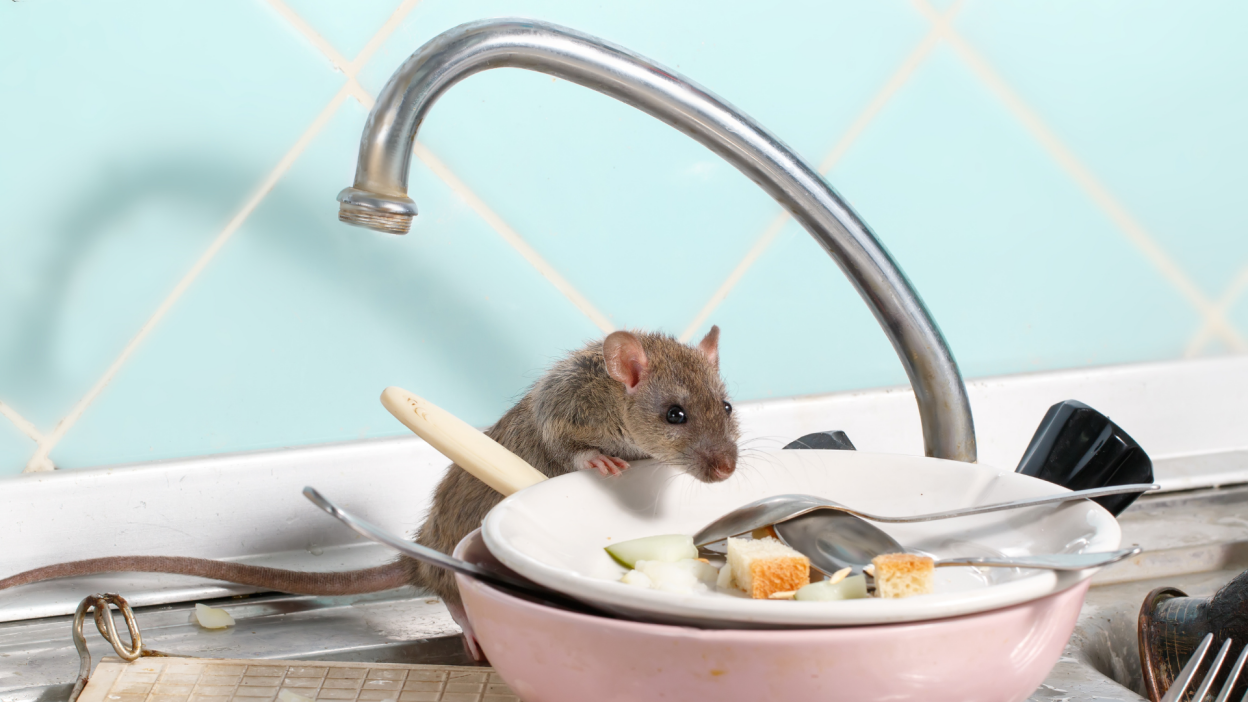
(903, 575)
(787, 595)
(761, 567)
(767, 532)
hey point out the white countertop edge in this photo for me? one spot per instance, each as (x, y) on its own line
(1189, 415)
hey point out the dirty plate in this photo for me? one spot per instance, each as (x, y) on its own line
(554, 533)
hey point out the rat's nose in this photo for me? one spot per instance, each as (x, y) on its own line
(716, 465)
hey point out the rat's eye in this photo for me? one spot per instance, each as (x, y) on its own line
(676, 415)
(728, 408)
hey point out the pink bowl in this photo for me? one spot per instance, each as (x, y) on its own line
(551, 655)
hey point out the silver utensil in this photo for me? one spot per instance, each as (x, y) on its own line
(425, 554)
(1047, 561)
(1184, 678)
(836, 540)
(780, 508)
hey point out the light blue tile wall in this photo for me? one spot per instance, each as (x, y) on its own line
(1061, 181)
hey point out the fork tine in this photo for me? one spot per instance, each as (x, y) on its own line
(1234, 677)
(1213, 673)
(1184, 678)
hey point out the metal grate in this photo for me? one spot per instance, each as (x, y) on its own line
(220, 680)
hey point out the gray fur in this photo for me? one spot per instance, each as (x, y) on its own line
(576, 410)
(577, 407)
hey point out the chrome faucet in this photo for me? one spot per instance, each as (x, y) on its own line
(379, 198)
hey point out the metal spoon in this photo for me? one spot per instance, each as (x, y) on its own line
(780, 508)
(835, 540)
(425, 554)
(1047, 561)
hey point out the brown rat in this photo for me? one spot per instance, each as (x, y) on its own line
(629, 397)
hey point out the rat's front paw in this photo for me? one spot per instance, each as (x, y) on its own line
(605, 465)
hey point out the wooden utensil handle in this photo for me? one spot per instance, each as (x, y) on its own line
(472, 450)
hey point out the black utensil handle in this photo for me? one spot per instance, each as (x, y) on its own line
(1079, 448)
(834, 440)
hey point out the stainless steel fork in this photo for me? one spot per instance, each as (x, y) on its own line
(1184, 678)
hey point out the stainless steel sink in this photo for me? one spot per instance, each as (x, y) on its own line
(38, 660)
(1194, 540)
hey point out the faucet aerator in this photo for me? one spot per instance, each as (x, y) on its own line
(383, 213)
(387, 222)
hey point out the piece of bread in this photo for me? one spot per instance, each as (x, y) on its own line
(903, 575)
(762, 567)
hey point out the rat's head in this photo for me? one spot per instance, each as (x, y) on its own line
(677, 407)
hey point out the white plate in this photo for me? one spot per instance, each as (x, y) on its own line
(554, 533)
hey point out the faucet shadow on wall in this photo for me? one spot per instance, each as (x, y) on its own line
(414, 291)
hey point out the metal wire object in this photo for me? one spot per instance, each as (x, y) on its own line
(104, 623)
(1186, 676)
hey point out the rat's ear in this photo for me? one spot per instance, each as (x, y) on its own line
(709, 345)
(626, 360)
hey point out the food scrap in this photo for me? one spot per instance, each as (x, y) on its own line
(684, 576)
(840, 575)
(669, 563)
(670, 547)
(212, 617)
(765, 566)
(850, 588)
(903, 575)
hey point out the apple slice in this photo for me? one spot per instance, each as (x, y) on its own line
(668, 548)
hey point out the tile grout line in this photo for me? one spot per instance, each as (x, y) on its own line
(496, 222)
(339, 61)
(1229, 297)
(1213, 314)
(24, 425)
(1083, 177)
(886, 92)
(351, 68)
(364, 97)
(392, 23)
(40, 461)
(761, 244)
(940, 24)
(509, 235)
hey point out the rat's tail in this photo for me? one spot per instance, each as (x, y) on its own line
(353, 582)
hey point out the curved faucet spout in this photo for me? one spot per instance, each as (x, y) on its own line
(379, 198)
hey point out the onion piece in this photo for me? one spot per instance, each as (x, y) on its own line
(211, 617)
(852, 588)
